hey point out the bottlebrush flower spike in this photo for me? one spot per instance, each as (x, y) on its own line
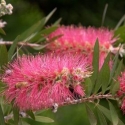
(37, 82)
(121, 80)
(121, 92)
(81, 38)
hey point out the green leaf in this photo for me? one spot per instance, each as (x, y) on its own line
(29, 34)
(43, 46)
(113, 113)
(46, 31)
(31, 114)
(115, 88)
(120, 122)
(105, 111)
(122, 20)
(103, 76)
(114, 67)
(2, 87)
(50, 14)
(2, 122)
(38, 120)
(118, 70)
(95, 62)
(7, 108)
(3, 55)
(36, 27)
(91, 116)
(30, 121)
(43, 119)
(121, 33)
(57, 22)
(101, 117)
(2, 31)
(16, 115)
(88, 86)
(33, 29)
(12, 48)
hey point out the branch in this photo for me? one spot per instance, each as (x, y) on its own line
(20, 43)
(120, 49)
(89, 99)
(68, 102)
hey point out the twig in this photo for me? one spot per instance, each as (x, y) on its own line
(89, 99)
(68, 102)
(20, 43)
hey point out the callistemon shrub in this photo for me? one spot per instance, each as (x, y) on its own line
(82, 39)
(38, 82)
(121, 92)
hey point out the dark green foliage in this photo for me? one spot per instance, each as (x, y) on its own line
(2, 122)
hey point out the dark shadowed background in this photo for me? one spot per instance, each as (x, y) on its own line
(84, 12)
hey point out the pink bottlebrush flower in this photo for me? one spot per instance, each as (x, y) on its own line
(37, 82)
(121, 80)
(121, 91)
(81, 38)
(123, 106)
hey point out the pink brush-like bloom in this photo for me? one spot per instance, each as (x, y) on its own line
(81, 38)
(123, 106)
(121, 80)
(121, 91)
(37, 82)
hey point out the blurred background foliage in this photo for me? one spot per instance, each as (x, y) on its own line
(84, 12)
(77, 12)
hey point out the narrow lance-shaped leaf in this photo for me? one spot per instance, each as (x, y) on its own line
(29, 121)
(50, 14)
(88, 86)
(43, 46)
(113, 113)
(31, 114)
(101, 118)
(103, 76)
(33, 29)
(106, 112)
(95, 62)
(120, 122)
(46, 31)
(12, 48)
(2, 122)
(114, 67)
(3, 55)
(117, 72)
(57, 22)
(43, 119)
(115, 88)
(16, 115)
(91, 116)
(2, 31)
(121, 33)
(38, 120)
